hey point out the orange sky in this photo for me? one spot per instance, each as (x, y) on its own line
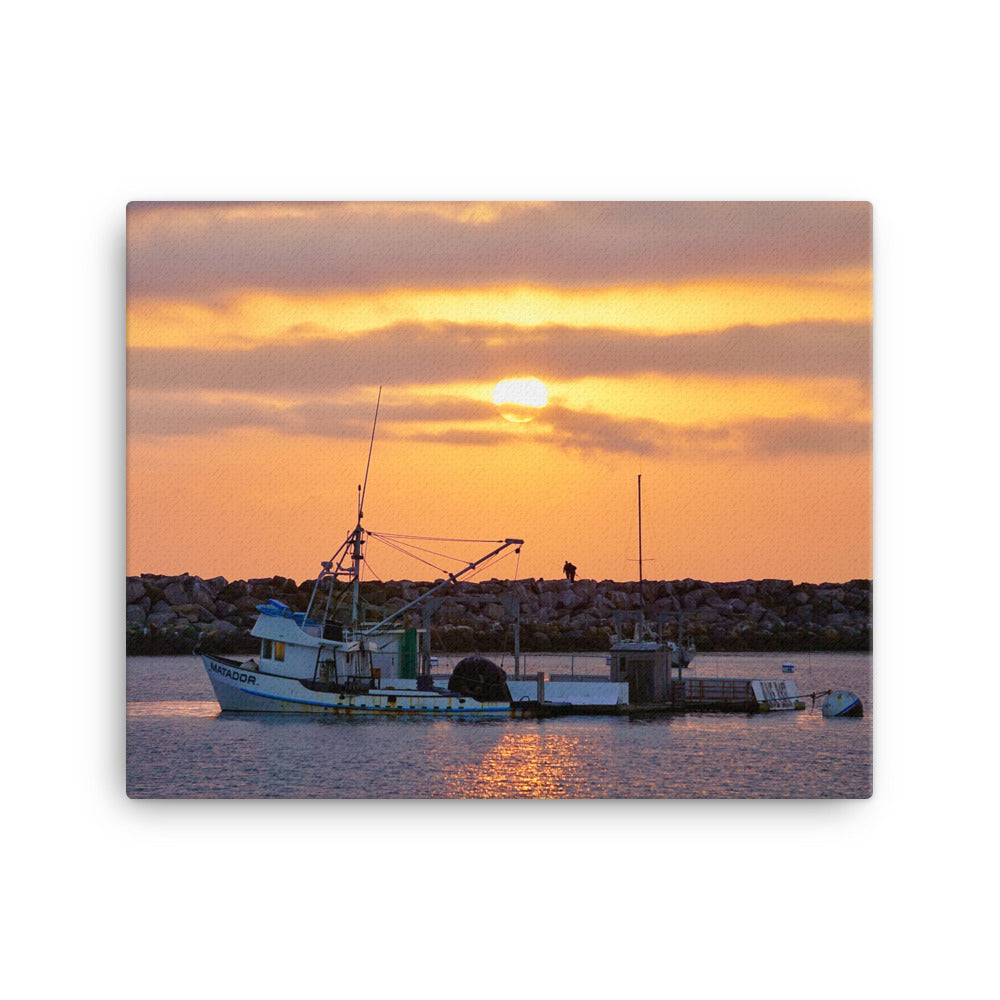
(721, 350)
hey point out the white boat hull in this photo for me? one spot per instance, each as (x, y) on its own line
(842, 704)
(241, 688)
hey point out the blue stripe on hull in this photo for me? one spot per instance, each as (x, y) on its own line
(394, 710)
(222, 689)
(848, 710)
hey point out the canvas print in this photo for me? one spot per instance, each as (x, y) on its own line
(499, 500)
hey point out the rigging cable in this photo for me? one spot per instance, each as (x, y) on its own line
(400, 547)
(499, 558)
(432, 538)
(411, 555)
(374, 574)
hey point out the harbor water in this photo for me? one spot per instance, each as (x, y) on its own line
(180, 745)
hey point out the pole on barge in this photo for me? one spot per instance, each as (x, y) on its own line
(640, 534)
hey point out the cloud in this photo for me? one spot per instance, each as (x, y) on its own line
(806, 435)
(558, 427)
(155, 413)
(206, 249)
(416, 354)
(459, 422)
(587, 431)
(159, 414)
(758, 437)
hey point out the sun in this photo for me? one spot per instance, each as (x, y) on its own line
(518, 398)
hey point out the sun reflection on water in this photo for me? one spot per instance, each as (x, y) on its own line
(173, 709)
(523, 765)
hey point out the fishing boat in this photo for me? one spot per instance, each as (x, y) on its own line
(309, 662)
(313, 661)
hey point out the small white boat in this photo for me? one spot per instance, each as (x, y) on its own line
(842, 704)
(788, 668)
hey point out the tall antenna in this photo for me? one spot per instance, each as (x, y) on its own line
(358, 534)
(371, 444)
(640, 531)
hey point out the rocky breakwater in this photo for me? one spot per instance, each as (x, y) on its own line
(178, 614)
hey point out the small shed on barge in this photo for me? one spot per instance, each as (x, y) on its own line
(641, 657)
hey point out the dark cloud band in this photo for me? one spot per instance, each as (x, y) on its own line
(412, 354)
(452, 421)
(207, 249)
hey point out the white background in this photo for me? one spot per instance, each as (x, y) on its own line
(105, 104)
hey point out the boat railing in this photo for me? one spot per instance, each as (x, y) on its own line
(565, 666)
(588, 666)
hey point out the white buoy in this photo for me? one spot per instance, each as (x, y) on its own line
(839, 704)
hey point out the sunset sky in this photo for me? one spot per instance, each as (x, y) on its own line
(720, 350)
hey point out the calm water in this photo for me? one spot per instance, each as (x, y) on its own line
(180, 745)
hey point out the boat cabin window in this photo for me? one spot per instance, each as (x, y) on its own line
(270, 650)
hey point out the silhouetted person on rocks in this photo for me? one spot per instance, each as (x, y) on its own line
(570, 570)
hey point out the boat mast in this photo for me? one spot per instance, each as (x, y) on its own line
(640, 533)
(641, 623)
(358, 540)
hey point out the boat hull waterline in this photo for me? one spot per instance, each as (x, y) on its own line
(240, 688)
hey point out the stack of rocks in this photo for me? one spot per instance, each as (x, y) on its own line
(177, 614)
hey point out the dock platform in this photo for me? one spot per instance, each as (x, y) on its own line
(690, 694)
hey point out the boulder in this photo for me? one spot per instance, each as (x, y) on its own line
(569, 599)
(234, 591)
(193, 613)
(689, 602)
(176, 593)
(540, 642)
(201, 595)
(667, 604)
